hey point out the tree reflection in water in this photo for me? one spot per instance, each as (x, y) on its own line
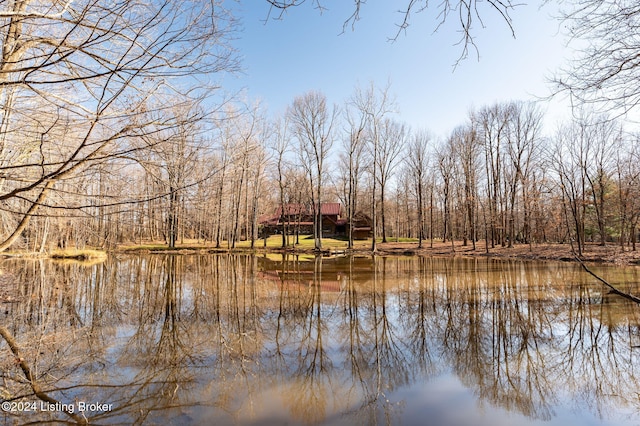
(253, 340)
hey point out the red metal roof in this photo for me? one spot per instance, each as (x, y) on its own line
(291, 210)
(268, 220)
(330, 209)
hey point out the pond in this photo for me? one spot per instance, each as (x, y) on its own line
(251, 340)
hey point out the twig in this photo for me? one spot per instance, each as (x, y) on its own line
(613, 289)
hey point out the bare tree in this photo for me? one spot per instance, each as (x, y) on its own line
(584, 159)
(466, 145)
(312, 122)
(448, 172)
(281, 146)
(354, 144)
(373, 105)
(224, 157)
(569, 155)
(248, 131)
(524, 122)
(418, 162)
(628, 176)
(492, 122)
(257, 191)
(75, 76)
(605, 138)
(170, 157)
(391, 144)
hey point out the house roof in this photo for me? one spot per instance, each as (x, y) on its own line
(330, 208)
(301, 210)
(360, 215)
(269, 220)
(293, 209)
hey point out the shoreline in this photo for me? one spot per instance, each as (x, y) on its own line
(609, 254)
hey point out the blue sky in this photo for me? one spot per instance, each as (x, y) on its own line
(307, 50)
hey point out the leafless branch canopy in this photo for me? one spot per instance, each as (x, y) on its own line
(468, 13)
(607, 38)
(77, 77)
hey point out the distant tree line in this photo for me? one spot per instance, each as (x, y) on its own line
(497, 178)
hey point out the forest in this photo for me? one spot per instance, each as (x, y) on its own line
(496, 178)
(113, 132)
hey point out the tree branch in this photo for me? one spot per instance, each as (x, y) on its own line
(28, 374)
(603, 281)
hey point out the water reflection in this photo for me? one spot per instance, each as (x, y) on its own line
(352, 340)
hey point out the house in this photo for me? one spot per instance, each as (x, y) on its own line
(360, 226)
(299, 218)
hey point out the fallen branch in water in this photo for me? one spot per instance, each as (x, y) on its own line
(37, 390)
(613, 289)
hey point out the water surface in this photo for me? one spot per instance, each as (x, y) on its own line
(246, 340)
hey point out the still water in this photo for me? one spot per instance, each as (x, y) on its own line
(250, 340)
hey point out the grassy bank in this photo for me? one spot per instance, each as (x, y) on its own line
(78, 254)
(85, 256)
(303, 244)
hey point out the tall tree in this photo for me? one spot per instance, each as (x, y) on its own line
(280, 146)
(466, 145)
(523, 131)
(373, 105)
(169, 157)
(353, 144)
(604, 137)
(312, 121)
(492, 122)
(418, 162)
(448, 172)
(248, 134)
(391, 144)
(628, 176)
(570, 154)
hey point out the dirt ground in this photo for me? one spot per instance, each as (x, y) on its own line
(610, 254)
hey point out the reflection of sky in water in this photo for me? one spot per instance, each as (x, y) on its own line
(224, 340)
(445, 401)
